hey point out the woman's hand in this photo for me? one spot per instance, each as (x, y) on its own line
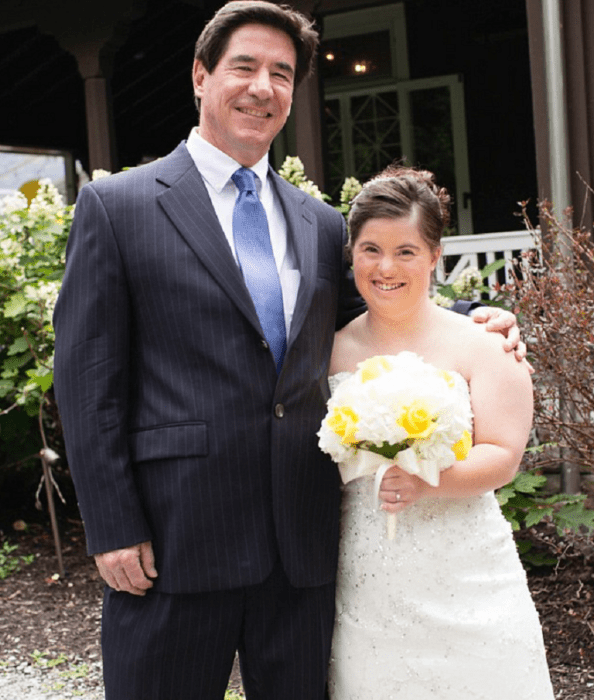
(399, 489)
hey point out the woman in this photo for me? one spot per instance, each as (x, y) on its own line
(442, 611)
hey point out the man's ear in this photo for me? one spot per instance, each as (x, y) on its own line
(198, 73)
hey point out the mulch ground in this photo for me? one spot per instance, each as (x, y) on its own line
(43, 613)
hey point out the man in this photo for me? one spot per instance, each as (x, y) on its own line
(190, 394)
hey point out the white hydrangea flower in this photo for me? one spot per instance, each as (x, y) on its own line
(350, 189)
(312, 189)
(442, 300)
(48, 202)
(467, 282)
(292, 170)
(99, 174)
(12, 203)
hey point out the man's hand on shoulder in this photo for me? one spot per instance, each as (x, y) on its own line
(130, 569)
(501, 321)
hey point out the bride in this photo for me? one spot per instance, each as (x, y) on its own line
(443, 610)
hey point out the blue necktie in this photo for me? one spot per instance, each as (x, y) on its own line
(254, 252)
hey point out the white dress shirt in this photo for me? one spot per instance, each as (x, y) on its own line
(216, 169)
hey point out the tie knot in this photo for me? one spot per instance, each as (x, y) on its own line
(244, 179)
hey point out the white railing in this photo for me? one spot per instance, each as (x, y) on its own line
(493, 246)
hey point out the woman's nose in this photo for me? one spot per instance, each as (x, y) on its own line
(387, 265)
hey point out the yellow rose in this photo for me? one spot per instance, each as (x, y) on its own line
(343, 422)
(462, 447)
(373, 367)
(416, 420)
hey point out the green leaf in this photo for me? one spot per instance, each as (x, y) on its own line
(504, 494)
(535, 515)
(19, 345)
(385, 449)
(15, 305)
(538, 559)
(492, 267)
(14, 363)
(523, 546)
(44, 380)
(528, 482)
(573, 517)
(6, 387)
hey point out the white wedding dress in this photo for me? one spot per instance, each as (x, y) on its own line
(441, 612)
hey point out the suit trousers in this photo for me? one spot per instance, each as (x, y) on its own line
(181, 647)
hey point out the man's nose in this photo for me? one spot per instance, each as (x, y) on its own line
(260, 86)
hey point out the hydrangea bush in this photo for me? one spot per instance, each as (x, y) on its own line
(32, 243)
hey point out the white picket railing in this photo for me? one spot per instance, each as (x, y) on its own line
(492, 246)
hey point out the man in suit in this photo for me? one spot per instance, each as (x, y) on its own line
(189, 424)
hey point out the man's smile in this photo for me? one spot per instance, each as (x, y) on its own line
(250, 111)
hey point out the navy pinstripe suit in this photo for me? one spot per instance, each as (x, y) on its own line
(178, 429)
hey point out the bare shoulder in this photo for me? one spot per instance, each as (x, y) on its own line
(472, 349)
(484, 352)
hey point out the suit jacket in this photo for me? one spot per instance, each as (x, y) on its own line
(177, 428)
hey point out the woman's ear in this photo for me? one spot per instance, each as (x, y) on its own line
(435, 256)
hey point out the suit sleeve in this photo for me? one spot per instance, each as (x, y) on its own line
(465, 307)
(92, 324)
(350, 303)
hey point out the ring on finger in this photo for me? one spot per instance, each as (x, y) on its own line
(397, 495)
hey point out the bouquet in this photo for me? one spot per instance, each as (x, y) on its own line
(396, 409)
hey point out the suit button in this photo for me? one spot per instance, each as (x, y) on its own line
(279, 410)
(264, 344)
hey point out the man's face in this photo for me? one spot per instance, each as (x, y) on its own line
(246, 100)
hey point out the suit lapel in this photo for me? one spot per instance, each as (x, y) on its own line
(188, 206)
(303, 234)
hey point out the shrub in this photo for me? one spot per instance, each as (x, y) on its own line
(32, 245)
(555, 304)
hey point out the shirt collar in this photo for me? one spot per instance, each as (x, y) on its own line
(217, 167)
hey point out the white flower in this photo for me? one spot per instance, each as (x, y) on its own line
(467, 282)
(312, 189)
(292, 170)
(99, 174)
(48, 202)
(350, 189)
(442, 300)
(11, 203)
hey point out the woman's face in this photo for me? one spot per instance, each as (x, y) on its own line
(392, 264)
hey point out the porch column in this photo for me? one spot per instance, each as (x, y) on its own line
(575, 27)
(308, 129)
(100, 127)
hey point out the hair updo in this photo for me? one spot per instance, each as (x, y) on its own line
(401, 192)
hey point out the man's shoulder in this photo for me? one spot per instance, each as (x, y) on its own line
(168, 167)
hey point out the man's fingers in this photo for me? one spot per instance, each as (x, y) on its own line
(513, 338)
(122, 569)
(147, 560)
